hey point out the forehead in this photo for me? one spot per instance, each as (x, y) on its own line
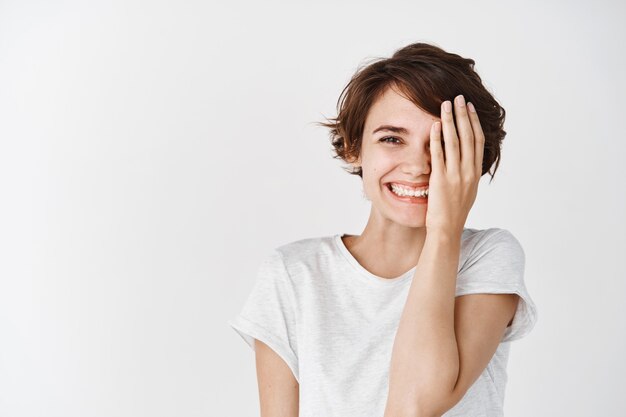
(394, 108)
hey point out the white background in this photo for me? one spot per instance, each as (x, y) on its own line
(152, 153)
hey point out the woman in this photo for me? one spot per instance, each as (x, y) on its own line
(414, 316)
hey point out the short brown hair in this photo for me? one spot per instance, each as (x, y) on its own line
(428, 76)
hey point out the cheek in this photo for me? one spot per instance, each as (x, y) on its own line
(376, 164)
(379, 160)
(382, 166)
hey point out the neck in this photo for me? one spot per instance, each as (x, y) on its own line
(385, 248)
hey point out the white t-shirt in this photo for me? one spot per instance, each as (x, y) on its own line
(334, 323)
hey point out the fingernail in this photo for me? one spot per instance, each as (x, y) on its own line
(460, 100)
(471, 107)
(447, 106)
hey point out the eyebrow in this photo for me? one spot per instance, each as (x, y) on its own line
(390, 128)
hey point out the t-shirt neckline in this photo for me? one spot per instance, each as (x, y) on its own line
(364, 272)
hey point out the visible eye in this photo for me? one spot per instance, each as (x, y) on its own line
(389, 137)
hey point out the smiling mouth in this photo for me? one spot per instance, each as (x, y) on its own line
(412, 188)
(402, 195)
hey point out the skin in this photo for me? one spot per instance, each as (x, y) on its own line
(393, 238)
(279, 391)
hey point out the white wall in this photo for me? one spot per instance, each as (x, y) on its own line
(151, 153)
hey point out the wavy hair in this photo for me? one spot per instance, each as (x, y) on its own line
(428, 76)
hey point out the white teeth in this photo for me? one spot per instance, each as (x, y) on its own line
(403, 192)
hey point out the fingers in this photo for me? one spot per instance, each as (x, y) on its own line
(466, 135)
(464, 144)
(450, 138)
(436, 151)
(479, 139)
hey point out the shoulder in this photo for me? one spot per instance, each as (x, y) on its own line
(305, 252)
(483, 240)
(492, 256)
(303, 247)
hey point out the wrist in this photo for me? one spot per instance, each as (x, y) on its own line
(447, 234)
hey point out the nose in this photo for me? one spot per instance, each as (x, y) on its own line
(416, 162)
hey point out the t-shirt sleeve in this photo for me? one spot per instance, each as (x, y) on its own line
(269, 312)
(496, 265)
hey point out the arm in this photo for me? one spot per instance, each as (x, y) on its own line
(278, 388)
(442, 344)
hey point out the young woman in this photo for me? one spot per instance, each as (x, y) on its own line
(414, 317)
